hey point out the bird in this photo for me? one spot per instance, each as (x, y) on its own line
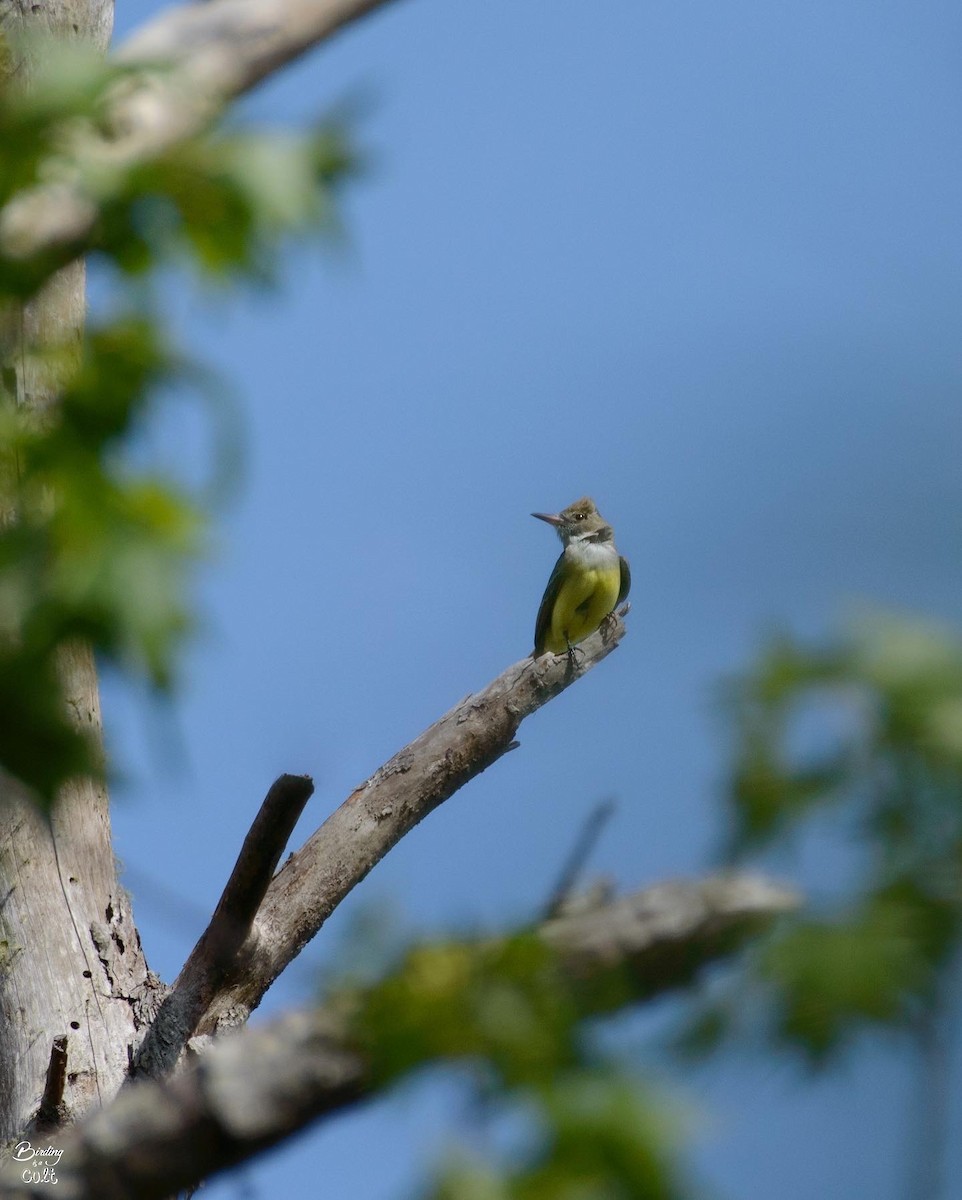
(589, 580)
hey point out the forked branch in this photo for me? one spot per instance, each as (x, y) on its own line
(357, 835)
(213, 958)
(250, 1091)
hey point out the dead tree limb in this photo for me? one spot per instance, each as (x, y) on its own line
(357, 835)
(211, 960)
(251, 1090)
(232, 46)
(207, 54)
(51, 1113)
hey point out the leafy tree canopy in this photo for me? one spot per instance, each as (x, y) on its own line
(91, 547)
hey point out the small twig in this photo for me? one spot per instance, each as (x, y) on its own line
(51, 1114)
(581, 851)
(211, 960)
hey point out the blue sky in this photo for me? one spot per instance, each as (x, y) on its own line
(699, 261)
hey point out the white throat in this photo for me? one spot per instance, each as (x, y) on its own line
(591, 554)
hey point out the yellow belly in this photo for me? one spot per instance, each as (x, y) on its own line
(585, 598)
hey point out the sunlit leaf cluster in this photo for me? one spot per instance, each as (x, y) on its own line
(869, 729)
(219, 200)
(89, 551)
(596, 1136)
(506, 1009)
(91, 548)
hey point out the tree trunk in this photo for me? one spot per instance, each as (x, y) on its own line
(70, 958)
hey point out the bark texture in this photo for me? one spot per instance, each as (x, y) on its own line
(213, 959)
(373, 819)
(71, 965)
(251, 1090)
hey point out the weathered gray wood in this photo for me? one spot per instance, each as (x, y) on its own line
(72, 963)
(90, 21)
(213, 52)
(358, 834)
(251, 1090)
(213, 958)
(72, 960)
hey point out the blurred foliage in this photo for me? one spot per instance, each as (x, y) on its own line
(869, 727)
(869, 730)
(506, 1008)
(89, 551)
(89, 547)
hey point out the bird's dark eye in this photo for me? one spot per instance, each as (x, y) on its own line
(580, 516)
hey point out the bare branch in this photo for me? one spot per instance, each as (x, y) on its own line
(576, 861)
(667, 932)
(51, 1113)
(252, 1089)
(462, 744)
(211, 960)
(158, 1137)
(210, 53)
(229, 47)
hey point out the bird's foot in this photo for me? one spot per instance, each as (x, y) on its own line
(573, 652)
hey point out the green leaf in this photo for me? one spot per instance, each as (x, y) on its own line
(874, 965)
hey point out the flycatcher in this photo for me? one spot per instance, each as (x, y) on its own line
(589, 580)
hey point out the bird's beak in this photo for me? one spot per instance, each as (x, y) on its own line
(551, 518)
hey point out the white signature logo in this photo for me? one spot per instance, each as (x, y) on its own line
(43, 1160)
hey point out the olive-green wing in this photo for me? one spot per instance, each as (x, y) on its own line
(625, 581)
(542, 626)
